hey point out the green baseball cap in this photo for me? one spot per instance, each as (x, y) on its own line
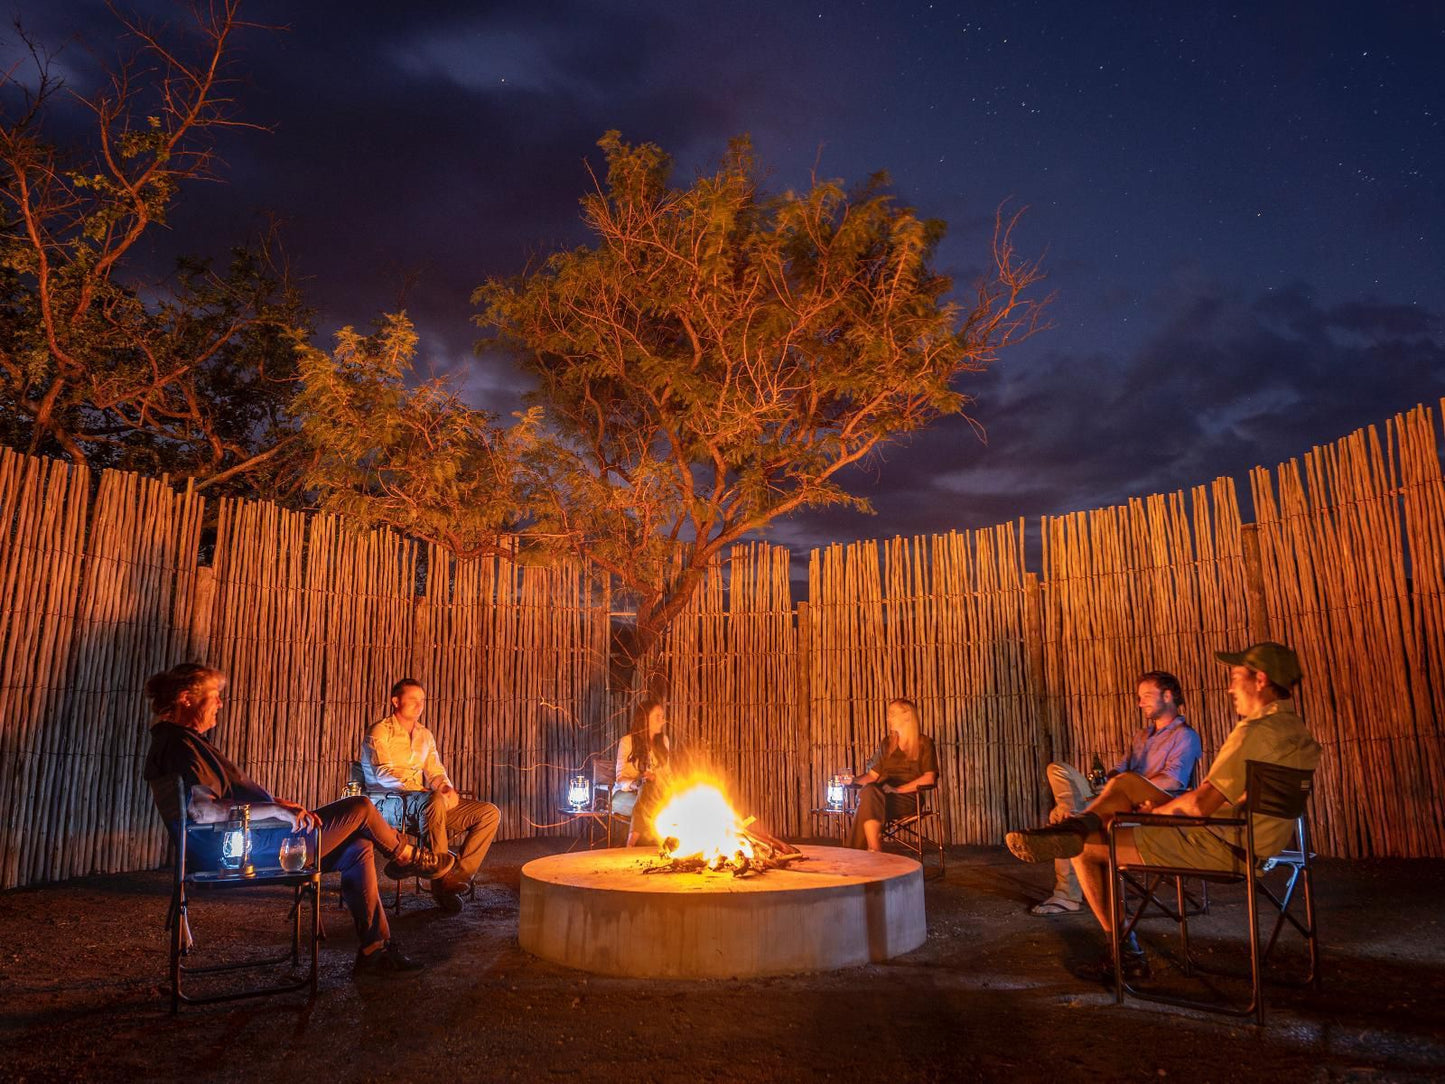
(1275, 661)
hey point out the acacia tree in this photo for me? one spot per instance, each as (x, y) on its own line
(714, 360)
(416, 459)
(191, 376)
(717, 357)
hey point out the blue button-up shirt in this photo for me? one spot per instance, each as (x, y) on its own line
(1164, 756)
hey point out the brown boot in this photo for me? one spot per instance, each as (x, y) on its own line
(1062, 840)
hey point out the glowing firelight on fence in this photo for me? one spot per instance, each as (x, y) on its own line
(703, 824)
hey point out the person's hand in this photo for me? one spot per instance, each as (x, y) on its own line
(1146, 806)
(302, 819)
(1057, 814)
(449, 796)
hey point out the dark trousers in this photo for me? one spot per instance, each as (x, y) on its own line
(350, 829)
(874, 805)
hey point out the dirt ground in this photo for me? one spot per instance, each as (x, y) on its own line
(993, 994)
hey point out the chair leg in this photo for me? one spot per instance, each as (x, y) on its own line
(1313, 937)
(318, 934)
(1179, 903)
(1116, 892)
(1256, 970)
(180, 934)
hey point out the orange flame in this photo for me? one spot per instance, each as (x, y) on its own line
(703, 824)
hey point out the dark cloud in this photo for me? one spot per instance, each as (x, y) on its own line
(1225, 384)
(1188, 170)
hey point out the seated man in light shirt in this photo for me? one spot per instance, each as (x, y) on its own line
(1163, 753)
(400, 754)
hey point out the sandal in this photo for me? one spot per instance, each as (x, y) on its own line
(1056, 905)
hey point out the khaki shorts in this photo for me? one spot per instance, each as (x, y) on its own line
(1198, 848)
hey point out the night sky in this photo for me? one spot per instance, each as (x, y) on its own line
(1240, 207)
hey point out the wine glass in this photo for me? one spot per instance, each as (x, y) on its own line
(293, 853)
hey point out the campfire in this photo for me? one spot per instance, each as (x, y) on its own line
(700, 831)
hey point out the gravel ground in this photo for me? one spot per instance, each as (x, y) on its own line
(992, 994)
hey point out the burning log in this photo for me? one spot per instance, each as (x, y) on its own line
(719, 843)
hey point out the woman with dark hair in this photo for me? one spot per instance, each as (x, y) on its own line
(644, 762)
(904, 762)
(186, 700)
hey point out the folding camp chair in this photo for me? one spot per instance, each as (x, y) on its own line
(306, 885)
(920, 831)
(1271, 791)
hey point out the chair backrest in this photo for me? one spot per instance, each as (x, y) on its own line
(1273, 790)
(604, 771)
(163, 794)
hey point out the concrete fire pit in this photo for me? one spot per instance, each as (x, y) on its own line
(597, 911)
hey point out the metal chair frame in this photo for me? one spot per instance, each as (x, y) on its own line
(911, 831)
(1146, 891)
(1271, 790)
(307, 885)
(405, 816)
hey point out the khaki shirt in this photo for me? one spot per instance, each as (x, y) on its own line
(1276, 735)
(395, 760)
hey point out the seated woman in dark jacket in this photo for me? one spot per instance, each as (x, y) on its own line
(904, 762)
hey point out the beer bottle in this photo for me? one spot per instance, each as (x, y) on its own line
(1096, 772)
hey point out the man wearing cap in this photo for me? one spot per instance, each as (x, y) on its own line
(1260, 681)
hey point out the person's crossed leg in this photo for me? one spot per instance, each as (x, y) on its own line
(1083, 840)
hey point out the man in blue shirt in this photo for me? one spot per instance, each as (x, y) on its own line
(1163, 752)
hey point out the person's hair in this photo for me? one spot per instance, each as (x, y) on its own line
(404, 684)
(1165, 682)
(908, 742)
(164, 689)
(643, 751)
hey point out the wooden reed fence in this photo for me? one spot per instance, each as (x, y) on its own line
(1351, 544)
(100, 585)
(1155, 584)
(731, 662)
(943, 622)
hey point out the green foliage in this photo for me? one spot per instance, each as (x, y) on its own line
(717, 356)
(415, 459)
(191, 376)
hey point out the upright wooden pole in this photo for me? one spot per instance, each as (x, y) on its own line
(198, 639)
(1034, 636)
(1254, 582)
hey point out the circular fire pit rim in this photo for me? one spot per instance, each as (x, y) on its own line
(723, 927)
(622, 869)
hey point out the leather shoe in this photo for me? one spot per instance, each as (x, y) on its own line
(1135, 965)
(386, 963)
(447, 891)
(424, 863)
